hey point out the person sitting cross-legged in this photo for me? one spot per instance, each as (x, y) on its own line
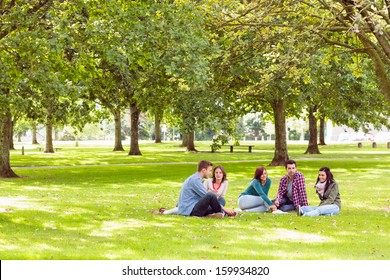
(328, 193)
(194, 200)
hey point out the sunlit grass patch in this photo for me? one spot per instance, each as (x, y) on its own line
(91, 203)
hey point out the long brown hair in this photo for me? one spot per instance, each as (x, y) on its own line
(259, 171)
(329, 175)
(223, 172)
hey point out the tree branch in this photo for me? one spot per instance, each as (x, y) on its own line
(40, 7)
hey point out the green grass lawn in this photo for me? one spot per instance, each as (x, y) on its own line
(88, 202)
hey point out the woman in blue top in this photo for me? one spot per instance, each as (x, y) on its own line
(255, 197)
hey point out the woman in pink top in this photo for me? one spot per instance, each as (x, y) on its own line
(218, 184)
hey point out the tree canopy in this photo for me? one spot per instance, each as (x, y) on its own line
(195, 63)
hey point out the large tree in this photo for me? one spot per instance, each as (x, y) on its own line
(54, 78)
(341, 87)
(17, 19)
(261, 51)
(150, 48)
(361, 26)
(105, 91)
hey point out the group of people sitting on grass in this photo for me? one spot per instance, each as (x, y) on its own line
(206, 199)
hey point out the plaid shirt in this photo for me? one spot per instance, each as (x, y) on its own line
(298, 189)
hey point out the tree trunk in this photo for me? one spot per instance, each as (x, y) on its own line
(157, 127)
(134, 145)
(313, 144)
(49, 137)
(5, 131)
(184, 140)
(322, 131)
(191, 142)
(11, 135)
(281, 154)
(118, 130)
(34, 134)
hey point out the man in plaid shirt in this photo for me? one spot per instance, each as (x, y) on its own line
(292, 191)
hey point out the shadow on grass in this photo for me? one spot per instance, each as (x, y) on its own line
(102, 232)
(103, 212)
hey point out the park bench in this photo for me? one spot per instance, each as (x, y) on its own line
(232, 147)
(55, 149)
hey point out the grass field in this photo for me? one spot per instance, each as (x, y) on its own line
(88, 202)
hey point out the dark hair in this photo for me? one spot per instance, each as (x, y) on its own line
(329, 175)
(223, 172)
(290, 161)
(259, 171)
(203, 164)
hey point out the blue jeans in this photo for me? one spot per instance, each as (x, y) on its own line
(326, 210)
(285, 204)
(252, 203)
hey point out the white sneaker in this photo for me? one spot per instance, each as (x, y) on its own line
(279, 212)
(299, 211)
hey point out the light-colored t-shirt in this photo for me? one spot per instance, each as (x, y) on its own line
(221, 189)
(289, 190)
